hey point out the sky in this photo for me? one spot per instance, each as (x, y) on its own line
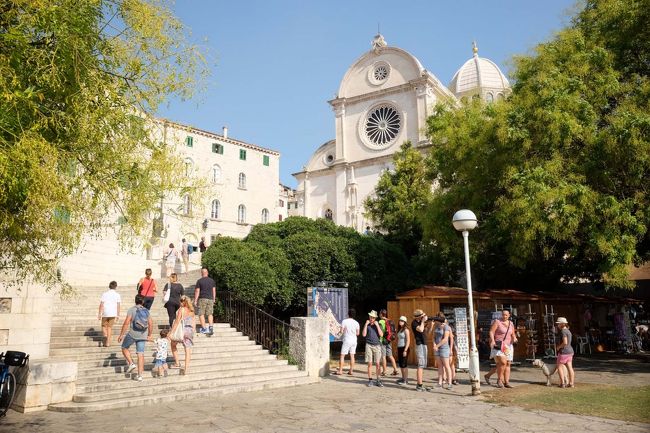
(275, 64)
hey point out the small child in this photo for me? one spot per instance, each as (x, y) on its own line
(160, 362)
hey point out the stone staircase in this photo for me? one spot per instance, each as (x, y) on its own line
(225, 363)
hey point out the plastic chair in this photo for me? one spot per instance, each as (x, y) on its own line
(582, 343)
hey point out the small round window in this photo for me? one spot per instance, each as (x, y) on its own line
(379, 73)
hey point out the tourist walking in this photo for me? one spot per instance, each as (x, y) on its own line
(350, 329)
(147, 288)
(202, 246)
(564, 352)
(420, 328)
(137, 328)
(185, 254)
(162, 351)
(185, 318)
(373, 333)
(169, 257)
(173, 303)
(502, 337)
(387, 326)
(441, 349)
(403, 346)
(204, 295)
(109, 311)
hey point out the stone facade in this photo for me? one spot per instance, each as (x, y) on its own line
(309, 344)
(384, 99)
(44, 382)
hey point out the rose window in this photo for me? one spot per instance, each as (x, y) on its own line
(383, 125)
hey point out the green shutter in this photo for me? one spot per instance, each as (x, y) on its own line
(265, 160)
(242, 154)
(217, 148)
(189, 141)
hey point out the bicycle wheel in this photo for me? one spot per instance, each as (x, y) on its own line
(7, 390)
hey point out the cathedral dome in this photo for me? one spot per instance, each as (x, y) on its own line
(479, 76)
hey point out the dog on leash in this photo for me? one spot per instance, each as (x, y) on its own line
(548, 372)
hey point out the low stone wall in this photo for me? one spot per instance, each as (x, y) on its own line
(309, 344)
(41, 383)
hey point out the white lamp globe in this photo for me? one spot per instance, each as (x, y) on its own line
(464, 219)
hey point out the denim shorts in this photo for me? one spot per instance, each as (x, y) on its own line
(139, 344)
(159, 362)
(421, 352)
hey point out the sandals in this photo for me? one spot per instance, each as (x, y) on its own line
(394, 373)
(507, 385)
(487, 380)
(499, 384)
(349, 373)
(455, 382)
(338, 373)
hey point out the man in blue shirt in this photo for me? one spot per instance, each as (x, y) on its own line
(373, 333)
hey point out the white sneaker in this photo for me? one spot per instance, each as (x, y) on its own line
(130, 368)
(139, 378)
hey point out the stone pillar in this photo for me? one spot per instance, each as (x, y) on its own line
(41, 383)
(309, 344)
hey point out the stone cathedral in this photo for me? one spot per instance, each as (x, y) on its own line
(384, 99)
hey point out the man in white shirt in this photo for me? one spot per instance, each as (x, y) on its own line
(350, 331)
(109, 311)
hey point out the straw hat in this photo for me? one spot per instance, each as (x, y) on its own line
(373, 313)
(403, 319)
(562, 320)
(418, 313)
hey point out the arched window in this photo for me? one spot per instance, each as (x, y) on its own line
(189, 167)
(500, 96)
(329, 214)
(215, 209)
(489, 97)
(265, 216)
(187, 204)
(242, 181)
(241, 214)
(216, 173)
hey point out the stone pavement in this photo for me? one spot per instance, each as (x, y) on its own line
(346, 404)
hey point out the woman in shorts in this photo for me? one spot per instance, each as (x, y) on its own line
(441, 336)
(565, 353)
(502, 336)
(185, 318)
(403, 346)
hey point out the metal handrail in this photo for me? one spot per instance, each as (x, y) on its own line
(268, 331)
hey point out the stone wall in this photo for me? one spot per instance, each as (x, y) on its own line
(25, 319)
(309, 344)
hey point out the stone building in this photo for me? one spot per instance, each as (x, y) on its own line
(383, 100)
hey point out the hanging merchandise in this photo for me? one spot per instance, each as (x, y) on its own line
(531, 334)
(549, 332)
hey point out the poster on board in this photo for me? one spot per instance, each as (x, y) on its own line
(330, 303)
(462, 339)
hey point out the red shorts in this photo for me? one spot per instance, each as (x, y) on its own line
(564, 358)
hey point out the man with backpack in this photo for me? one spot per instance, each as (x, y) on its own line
(388, 328)
(139, 325)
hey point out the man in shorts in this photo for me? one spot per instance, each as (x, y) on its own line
(420, 328)
(109, 311)
(135, 335)
(204, 295)
(373, 333)
(386, 346)
(350, 330)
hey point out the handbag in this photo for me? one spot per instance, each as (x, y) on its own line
(178, 334)
(167, 292)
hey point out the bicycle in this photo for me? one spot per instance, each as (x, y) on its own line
(7, 378)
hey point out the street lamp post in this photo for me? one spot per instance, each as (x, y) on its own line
(464, 221)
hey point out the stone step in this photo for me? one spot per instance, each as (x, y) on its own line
(111, 380)
(92, 332)
(94, 325)
(88, 369)
(84, 341)
(255, 384)
(207, 350)
(65, 349)
(154, 386)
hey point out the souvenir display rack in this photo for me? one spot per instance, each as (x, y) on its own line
(531, 334)
(548, 328)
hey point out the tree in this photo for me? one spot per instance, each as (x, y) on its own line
(77, 145)
(557, 174)
(399, 196)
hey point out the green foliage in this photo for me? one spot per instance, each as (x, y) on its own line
(399, 196)
(77, 79)
(276, 263)
(557, 174)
